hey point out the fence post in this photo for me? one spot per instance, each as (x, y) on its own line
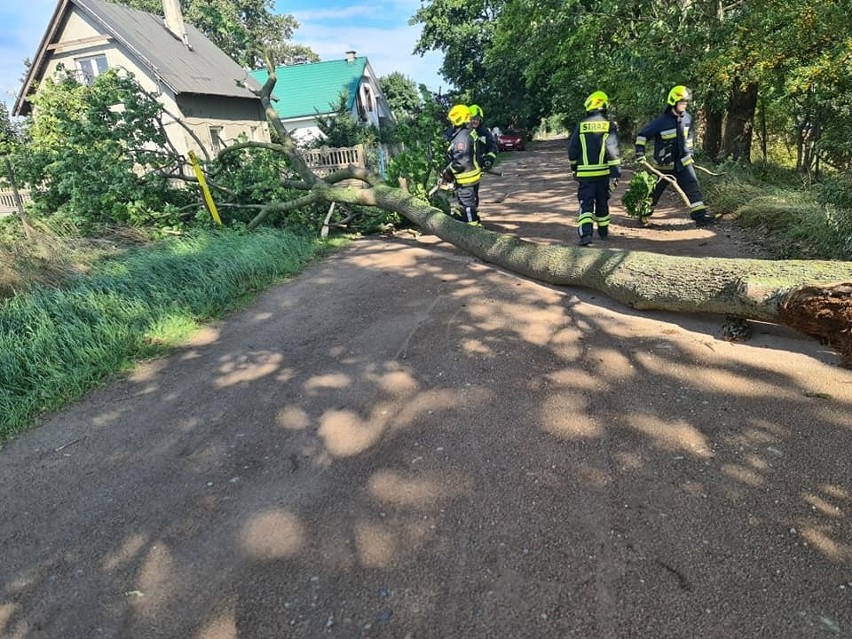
(19, 204)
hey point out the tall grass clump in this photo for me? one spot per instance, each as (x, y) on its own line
(796, 222)
(58, 343)
(44, 254)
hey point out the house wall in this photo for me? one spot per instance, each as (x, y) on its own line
(302, 130)
(234, 117)
(366, 105)
(189, 119)
(78, 37)
(371, 105)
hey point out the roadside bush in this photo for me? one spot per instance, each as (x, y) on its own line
(836, 190)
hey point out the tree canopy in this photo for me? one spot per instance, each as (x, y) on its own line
(778, 63)
(401, 92)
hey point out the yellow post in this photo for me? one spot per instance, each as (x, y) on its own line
(208, 199)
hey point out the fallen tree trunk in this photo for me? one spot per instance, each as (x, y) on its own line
(812, 297)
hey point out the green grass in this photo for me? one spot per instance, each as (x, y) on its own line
(58, 343)
(774, 204)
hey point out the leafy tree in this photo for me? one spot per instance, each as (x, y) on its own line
(342, 129)
(97, 154)
(402, 95)
(251, 177)
(462, 30)
(244, 29)
(534, 58)
(423, 146)
(10, 134)
(807, 53)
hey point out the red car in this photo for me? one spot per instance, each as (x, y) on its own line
(511, 141)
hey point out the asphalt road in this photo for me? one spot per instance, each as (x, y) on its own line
(406, 442)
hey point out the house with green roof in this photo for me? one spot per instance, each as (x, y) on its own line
(304, 93)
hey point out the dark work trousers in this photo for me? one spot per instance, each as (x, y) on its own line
(466, 194)
(593, 193)
(688, 181)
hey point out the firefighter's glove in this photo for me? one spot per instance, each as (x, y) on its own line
(487, 163)
(447, 176)
(613, 184)
(641, 159)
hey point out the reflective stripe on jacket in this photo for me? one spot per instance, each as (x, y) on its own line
(673, 140)
(593, 147)
(461, 157)
(486, 144)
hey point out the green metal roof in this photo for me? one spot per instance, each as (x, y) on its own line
(315, 87)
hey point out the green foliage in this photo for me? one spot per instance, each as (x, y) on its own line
(529, 60)
(10, 134)
(95, 154)
(341, 129)
(244, 29)
(423, 157)
(637, 199)
(461, 29)
(57, 344)
(836, 190)
(402, 95)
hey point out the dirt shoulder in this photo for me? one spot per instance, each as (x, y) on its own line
(404, 441)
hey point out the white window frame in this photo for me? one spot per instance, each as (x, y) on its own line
(217, 139)
(97, 64)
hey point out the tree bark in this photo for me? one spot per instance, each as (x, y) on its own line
(739, 123)
(712, 132)
(813, 297)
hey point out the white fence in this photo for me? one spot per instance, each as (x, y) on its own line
(327, 160)
(7, 200)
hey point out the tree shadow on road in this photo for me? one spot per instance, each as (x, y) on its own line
(405, 441)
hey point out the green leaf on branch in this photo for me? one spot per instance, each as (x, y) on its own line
(637, 199)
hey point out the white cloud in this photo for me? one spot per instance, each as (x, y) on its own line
(360, 27)
(315, 15)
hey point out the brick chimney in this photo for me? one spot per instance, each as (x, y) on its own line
(174, 21)
(350, 56)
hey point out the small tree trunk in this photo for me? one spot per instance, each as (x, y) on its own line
(712, 132)
(739, 124)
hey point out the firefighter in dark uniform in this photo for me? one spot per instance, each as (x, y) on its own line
(486, 145)
(674, 139)
(462, 164)
(596, 165)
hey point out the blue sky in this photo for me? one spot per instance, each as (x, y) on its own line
(377, 29)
